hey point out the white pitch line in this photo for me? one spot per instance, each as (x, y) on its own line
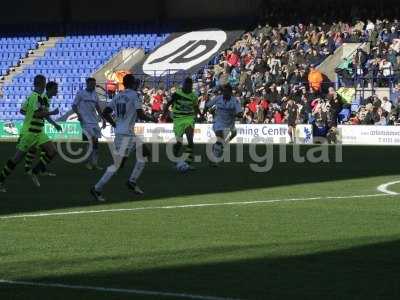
(383, 188)
(85, 212)
(112, 290)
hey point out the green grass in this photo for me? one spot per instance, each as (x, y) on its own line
(319, 249)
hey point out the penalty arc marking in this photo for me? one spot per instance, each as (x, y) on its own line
(384, 188)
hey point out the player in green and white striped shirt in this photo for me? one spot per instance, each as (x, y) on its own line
(51, 91)
(30, 134)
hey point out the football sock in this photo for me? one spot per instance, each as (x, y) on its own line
(137, 170)
(177, 149)
(94, 156)
(189, 153)
(111, 170)
(29, 157)
(43, 156)
(43, 162)
(7, 170)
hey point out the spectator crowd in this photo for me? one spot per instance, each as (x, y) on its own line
(379, 67)
(273, 67)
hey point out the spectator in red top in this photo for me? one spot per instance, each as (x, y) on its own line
(247, 59)
(264, 103)
(233, 59)
(253, 105)
(111, 88)
(157, 104)
(278, 118)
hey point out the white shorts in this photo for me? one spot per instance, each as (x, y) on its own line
(124, 144)
(224, 128)
(91, 130)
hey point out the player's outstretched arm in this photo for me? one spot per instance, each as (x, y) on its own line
(44, 113)
(76, 110)
(54, 123)
(75, 106)
(98, 109)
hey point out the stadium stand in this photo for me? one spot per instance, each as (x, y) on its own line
(75, 56)
(266, 67)
(13, 49)
(271, 64)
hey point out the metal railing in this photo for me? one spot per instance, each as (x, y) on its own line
(366, 84)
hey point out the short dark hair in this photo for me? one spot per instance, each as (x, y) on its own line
(39, 79)
(188, 80)
(129, 80)
(50, 85)
(138, 82)
(89, 79)
(227, 87)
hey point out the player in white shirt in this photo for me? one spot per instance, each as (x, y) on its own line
(86, 106)
(227, 108)
(127, 106)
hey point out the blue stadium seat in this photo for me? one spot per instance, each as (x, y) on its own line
(344, 115)
(71, 60)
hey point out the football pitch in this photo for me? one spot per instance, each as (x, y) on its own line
(300, 231)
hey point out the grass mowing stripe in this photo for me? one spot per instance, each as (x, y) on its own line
(83, 212)
(113, 290)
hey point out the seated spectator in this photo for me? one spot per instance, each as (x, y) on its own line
(315, 79)
(247, 116)
(381, 117)
(273, 94)
(157, 102)
(259, 115)
(223, 78)
(371, 116)
(252, 106)
(386, 105)
(385, 68)
(270, 65)
(277, 119)
(260, 66)
(233, 59)
(111, 88)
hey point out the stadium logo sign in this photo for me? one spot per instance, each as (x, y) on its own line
(184, 52)
(307, 135)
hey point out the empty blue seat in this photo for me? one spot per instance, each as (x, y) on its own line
(344, 115)
(71, 60)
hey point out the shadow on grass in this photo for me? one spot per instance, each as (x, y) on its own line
(362, 272)
(71, 186)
